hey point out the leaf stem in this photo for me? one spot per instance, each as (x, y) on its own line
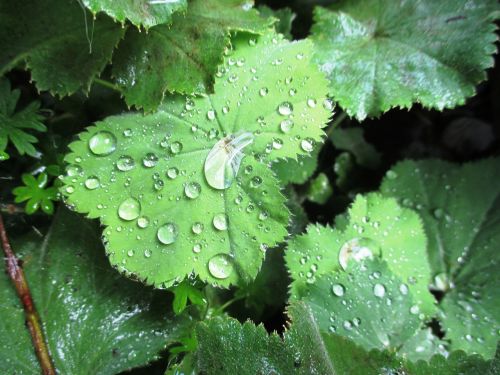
(107, 84)
(16, 275)
(336, 122)
(227, 304)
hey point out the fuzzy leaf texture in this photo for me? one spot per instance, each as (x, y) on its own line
(60, 43)
(377, 228)
(380, 55)
(464, 237)
(182, 57)
(94, 320)
(13, 125)
(145, 13)
(306, 350)
(163, 185)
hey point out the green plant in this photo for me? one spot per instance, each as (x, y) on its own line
(230, 174)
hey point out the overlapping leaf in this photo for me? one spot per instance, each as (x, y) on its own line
(145, 13)
(13, 125)
(95, 321)
(60, 42)
(460, 209)
(182, 57)
(306, 350)
(143, 176)
(377, 227)
(380, 55)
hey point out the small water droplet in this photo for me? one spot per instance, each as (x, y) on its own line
(197, 248)
(143, 222)
(220, 221)
(285, 109)
(129, 209)
(150, 160)
(192, 190)
(286, 125)
(311, 102)
(147, 253)
(74, 170)
(125, 163)
(176, 147)
(211, 115)
(379, 290)
(102, 143)
(92, 183)
(167, 234)
(338, 290)
(307, 144)
(391, 175)
(220, 266)
(263, 91)
(403, 289)
(197, 228)
(172, 173)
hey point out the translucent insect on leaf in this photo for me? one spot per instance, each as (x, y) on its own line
(224, 159)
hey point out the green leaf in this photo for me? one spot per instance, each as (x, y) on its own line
(36, 193)
(384, 55)
(306, 350)
(95, 321)
(378, 227)
(320, 189)
(12, 123)
(61, 44)
(460, 208)
(285, 18)
(183, 57)
(145, 13)
(423, 345)
(352, 140)
(291, 171)
(369, 305)
(183, 292)
(171, 210)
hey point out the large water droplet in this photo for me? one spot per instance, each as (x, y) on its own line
(125, 163)
(285, 109)
(220, 221)
(150, 160)
(192, 190)
(358, 249)
(102, 143)
(167, 233)
(129, 209)
(74, 170)
(220, 266)
(223, 161)
(307, 144)
(92, 183)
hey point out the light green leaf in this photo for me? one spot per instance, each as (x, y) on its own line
(369, 305)
(60, 42)
(182, 293)
(145, 13)
(378, 227)
(163, 185)
(380, 55)
(13, 124)
(320, 189)
(291, 171)
(352, 140)
(306, 350)
(460, 208)
(285, 18)
(36, 193)
(423, 345)
(182, 57)
(95, 321)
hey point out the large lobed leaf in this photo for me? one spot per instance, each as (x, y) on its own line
(95, 321)
(59, 41)
(380, 55)
(460, 208)
(164, 219)
(182, 57)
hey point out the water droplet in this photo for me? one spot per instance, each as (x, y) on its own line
(414, 310)
(220, 221)
(311, 102)
(220, 266)
(127, 133)
(197, 228)
(189, 104)
(403, 289)
(307, 144)
(167, 234)
(150, 160)
(70, 189)
(130, 253)
(255, 182)
(211, 115)
(358, 249)
(129, 209)
(347, 325)
(192, 190)
(92, 183)
(328, 104)
(125, 163)
(379, 290)
(338, 290)
(286, 125)
(172, 173)
(102, 143)
(196, 248)
(143, 222)
(285, 109)
(223, 161)
(263, 91)
(147, 253)
(74, 170)
(176, 147)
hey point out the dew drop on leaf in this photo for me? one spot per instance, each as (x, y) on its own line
(150, 160)
(172, 173)
(338, 290)
(311, 102)
(358, 249)
(379, 290)
(129, 209)
(147, 253)
(285, 109)
(176, 147)
(220, 221)
(286, 125)
(220, 266)
(223, 161)
(307, 144)
(102, 143)
(143, 222)
(192, 190)
(167, 234)
(197, 248)
(92, 183)
(197, 228)
(74, 170)
(125, 163)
